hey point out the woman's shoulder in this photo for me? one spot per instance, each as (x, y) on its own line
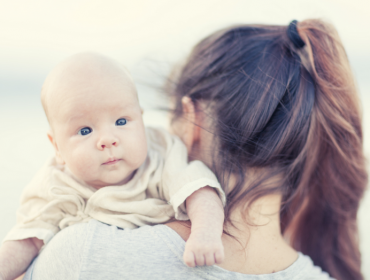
(305, 269)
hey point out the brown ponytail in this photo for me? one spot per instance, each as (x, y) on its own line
(293, 112)
(335, 177)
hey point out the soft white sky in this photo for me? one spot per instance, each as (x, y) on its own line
(149, 36)
(36, 34)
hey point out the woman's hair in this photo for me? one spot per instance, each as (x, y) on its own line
(296, 113)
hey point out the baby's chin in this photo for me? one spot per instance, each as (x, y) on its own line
(98, 184)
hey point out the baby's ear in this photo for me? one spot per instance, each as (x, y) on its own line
(58, 156)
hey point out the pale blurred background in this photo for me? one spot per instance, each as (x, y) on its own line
(149, 37)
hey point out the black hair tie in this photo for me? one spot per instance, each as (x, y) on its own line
(293, 35)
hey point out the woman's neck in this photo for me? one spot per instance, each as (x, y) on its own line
(256, 245)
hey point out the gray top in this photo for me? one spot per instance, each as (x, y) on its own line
(98, 251)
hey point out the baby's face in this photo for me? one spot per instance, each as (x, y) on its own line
(98, 130)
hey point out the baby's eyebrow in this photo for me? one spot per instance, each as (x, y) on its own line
(121, 109)
(74, 118)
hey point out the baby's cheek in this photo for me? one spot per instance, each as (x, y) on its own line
(82, 164)
(138, 154)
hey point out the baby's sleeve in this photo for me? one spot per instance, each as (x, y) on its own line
(37, 216)
(180, 178)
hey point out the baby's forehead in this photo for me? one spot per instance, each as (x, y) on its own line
(86, 76)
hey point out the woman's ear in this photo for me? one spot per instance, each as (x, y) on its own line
(191, 129)
(58, 156)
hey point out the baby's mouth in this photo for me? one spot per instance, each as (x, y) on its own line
(111, 161)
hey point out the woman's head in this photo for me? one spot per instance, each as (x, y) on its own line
(259, 95)
(293, 112)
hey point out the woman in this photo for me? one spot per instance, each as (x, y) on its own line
(273, 110)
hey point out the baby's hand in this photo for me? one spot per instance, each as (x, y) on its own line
(203, 248)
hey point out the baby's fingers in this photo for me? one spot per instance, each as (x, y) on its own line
(189, 258)
(199, 259)
(210, 258)
(219, 256)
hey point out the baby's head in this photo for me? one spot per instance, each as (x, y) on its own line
(96, 121)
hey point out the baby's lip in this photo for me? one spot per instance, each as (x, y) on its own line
(111, 161)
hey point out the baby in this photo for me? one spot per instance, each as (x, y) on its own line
(108, 167)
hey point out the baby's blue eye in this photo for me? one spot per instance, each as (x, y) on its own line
(85, 131)
(121, 121)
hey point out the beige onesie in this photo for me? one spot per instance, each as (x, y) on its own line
(55, 199)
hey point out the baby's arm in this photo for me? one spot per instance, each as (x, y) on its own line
(16, 256)
(206, 213)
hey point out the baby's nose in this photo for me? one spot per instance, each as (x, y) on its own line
(108, 146)
(107, 142)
